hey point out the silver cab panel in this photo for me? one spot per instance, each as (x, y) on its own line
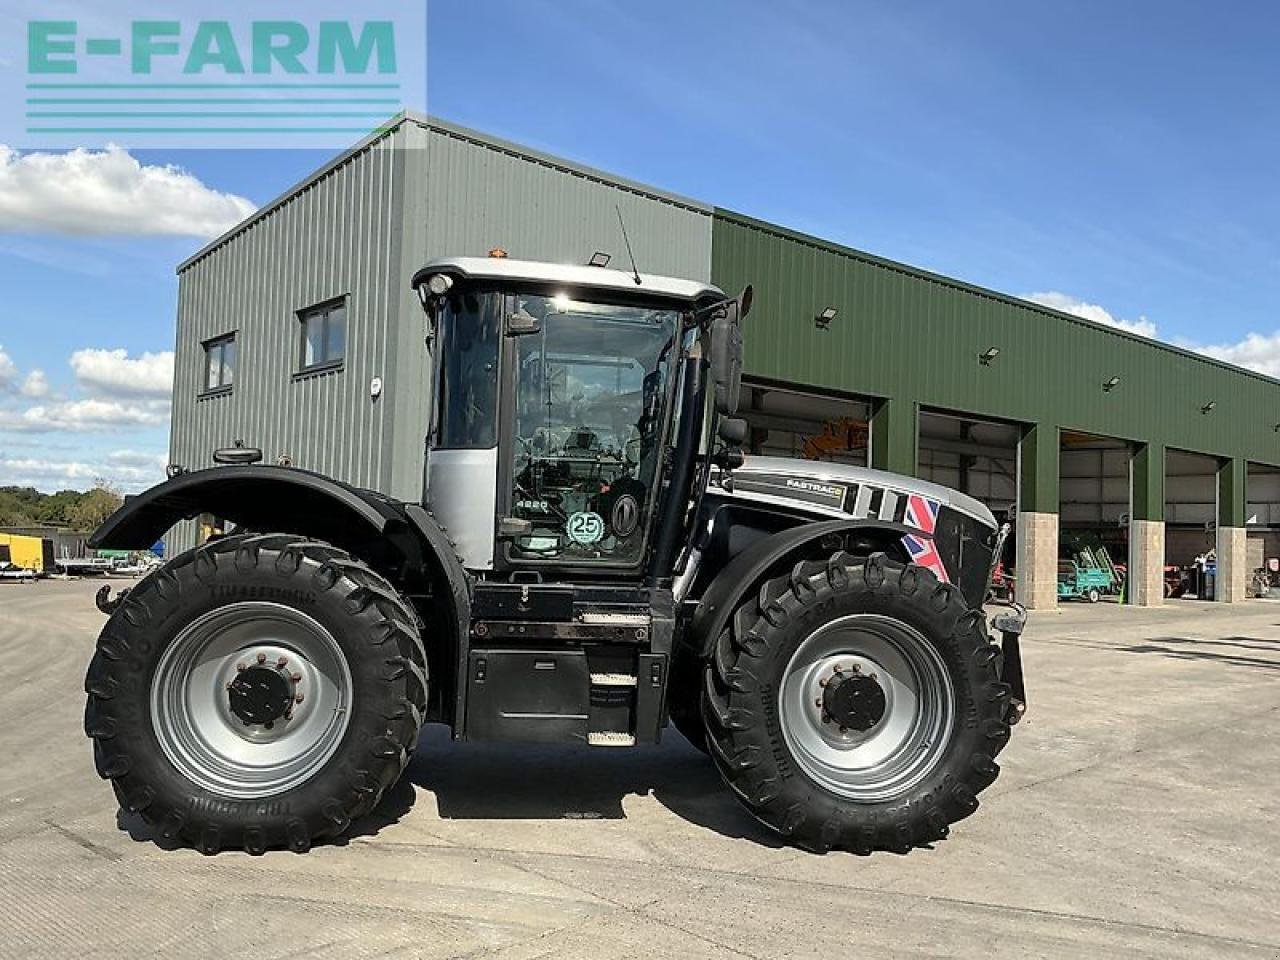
(462, 493)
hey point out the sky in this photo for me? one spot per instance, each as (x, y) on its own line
(1114, 160)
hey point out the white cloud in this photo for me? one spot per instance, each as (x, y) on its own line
(8, 370)
(89, 415)
(36, 385)
(129, 470)
(1257, 351)
(1092, 311)
(115, 373)
(109, 192)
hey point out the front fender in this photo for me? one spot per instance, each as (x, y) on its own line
(748, 569)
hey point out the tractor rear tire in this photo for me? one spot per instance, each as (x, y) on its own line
(855, 704)
(260, 691)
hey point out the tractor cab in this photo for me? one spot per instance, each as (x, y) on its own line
(569, 412)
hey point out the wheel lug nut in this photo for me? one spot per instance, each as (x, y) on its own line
(230, 685)
(817, 703)
(241, 667)
(281, 663)
(295, 677)
(873, 676)
(856, 668)
(835, 668)
(297, 698)
(262, 658)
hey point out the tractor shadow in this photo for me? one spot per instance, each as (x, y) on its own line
(1232, 650)
(504, 781)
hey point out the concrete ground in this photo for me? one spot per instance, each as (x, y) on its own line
(1137, 816)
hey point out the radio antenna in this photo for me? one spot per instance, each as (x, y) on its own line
(635, 271)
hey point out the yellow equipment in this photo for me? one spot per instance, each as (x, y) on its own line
(34, 553)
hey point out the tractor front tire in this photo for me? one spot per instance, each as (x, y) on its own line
(855, 704)
(259, 691)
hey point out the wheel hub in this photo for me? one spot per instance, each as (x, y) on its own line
(251, 699)
(866, 706)
(262, 693)
(853, 700)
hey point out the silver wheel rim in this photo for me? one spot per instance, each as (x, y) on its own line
(208, 742)
(904, 746)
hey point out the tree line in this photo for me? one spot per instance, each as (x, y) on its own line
(80, 510)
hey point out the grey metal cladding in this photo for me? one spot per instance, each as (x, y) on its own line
(333, 239)
(483, 194)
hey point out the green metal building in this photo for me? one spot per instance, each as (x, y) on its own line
(848, 356)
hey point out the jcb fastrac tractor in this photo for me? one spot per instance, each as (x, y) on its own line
(595, 556)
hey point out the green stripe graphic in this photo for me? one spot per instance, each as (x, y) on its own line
(245, 100)
(271, 130)
(211, 85)
(141, 114)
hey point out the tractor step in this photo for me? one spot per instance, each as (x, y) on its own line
(610, 738)
(613, 680)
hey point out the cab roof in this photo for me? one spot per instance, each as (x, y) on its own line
(503, 269)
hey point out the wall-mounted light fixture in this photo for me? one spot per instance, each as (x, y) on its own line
(987, 355)
(1209, 406)
(1111, 384)
(823, 320)
(599, 259)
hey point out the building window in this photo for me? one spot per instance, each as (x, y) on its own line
(219, 364)
(324, 335)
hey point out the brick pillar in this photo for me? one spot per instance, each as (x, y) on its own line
(1145, 586)
(1232, 575)
(1037, 560)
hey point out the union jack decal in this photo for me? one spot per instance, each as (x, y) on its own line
(922, 513)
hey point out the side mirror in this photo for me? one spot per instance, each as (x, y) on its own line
(726, 353)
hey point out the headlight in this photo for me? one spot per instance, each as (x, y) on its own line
(439, 283)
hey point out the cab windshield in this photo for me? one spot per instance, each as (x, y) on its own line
(589, 405)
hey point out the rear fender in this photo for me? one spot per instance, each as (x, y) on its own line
(257, 497)
(401, 541)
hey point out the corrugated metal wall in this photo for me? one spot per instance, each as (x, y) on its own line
(905, 334)
(361, 228)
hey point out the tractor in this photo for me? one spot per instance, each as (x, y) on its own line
(594, 557)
